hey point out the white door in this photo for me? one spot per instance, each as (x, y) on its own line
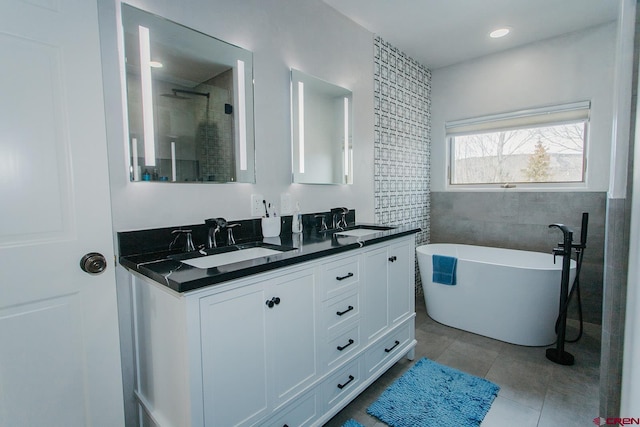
(59, 348)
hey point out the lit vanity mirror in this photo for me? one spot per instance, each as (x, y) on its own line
(189, 103)
(321, 118)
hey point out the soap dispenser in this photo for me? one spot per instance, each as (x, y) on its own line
(296, 221)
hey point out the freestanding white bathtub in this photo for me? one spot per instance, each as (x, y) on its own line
(506, 294)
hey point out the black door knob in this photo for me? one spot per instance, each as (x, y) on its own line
(93, 263)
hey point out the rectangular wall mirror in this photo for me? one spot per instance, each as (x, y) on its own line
(321, 131)
(189, 103)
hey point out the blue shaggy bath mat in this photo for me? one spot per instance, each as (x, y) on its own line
(433, 395)
(352, 423)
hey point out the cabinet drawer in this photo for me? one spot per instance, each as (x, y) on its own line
(341, 311)
(300, 413)
(343, 345)
(340, 275)
(342, 382)
(388, 347)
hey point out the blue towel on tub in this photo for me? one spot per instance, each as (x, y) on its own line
(444, 269)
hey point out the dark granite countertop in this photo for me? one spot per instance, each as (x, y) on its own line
(166, 268)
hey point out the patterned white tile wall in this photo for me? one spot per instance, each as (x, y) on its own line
(402, 126)
(402, 91)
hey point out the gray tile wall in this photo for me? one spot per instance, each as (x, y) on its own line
(520, 220)
(402, 103)
(615, 271)
(615, 299)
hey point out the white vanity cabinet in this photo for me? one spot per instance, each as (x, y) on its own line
(290, 346)
(258, 347)
(389, 296)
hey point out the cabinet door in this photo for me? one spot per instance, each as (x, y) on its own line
(291, 332)
(375, 292)
(401, 271)
(300, 413)
(234, 356)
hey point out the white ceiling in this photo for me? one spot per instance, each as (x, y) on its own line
(438, 33)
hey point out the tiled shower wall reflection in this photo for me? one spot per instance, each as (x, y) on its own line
(214, 139)
(402, 91)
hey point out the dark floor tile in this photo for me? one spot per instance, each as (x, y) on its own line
(468, 358)
(534, 390)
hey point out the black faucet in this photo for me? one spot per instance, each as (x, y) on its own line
(564, 247)
(558, 354)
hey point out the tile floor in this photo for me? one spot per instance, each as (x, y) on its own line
(533, 391)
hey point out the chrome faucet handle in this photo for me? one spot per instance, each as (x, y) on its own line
(343, 221)
(189, 246)
(339, 217)
(323, 223)
(215, 225)
(230, 239)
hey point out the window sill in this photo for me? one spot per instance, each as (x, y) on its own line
(546, 188)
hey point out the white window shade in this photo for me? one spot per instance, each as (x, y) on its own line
(538, 146)
(566, 113)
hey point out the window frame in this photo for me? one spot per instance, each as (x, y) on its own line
(528, 118)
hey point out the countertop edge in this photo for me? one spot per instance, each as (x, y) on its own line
(182, 287)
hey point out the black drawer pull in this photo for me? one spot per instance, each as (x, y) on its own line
(341, 386)
(345, 346)
(393, 258)
(340, 313)
(388, 350)
(344, 277)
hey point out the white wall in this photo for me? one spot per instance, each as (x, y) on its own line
(574, 67)
(307, 35)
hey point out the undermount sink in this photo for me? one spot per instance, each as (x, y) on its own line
(224, 258)
(217, 257)
(363, 231)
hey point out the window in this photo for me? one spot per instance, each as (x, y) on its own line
(539, 146)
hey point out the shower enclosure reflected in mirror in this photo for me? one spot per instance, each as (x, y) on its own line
(189, 103)
(321, 131)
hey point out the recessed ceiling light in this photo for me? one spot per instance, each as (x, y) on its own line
(500, 32)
